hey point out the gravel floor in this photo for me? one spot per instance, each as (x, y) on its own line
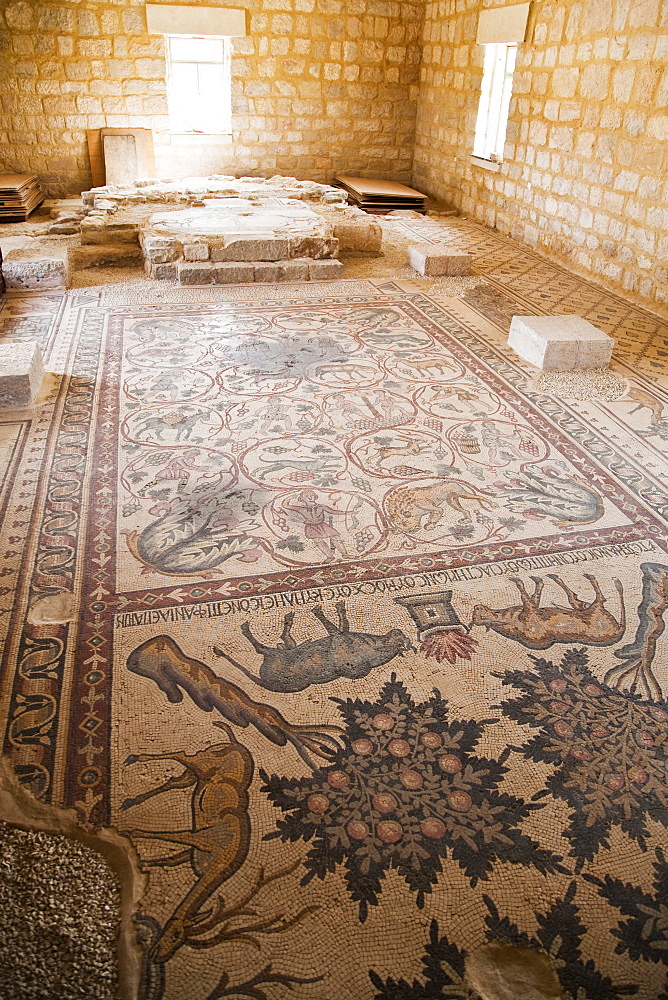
(59, 906)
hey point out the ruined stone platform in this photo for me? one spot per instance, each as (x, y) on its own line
(193, 191)
(204, 244)
(283, 222)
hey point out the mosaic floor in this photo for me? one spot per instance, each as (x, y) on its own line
(354, 629)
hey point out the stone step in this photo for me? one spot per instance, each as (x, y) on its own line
(105, 255)
(96, 233)
(231, 273)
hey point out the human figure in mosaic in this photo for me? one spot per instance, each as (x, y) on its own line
(317, 523)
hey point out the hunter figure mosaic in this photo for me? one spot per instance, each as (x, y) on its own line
(368, 652)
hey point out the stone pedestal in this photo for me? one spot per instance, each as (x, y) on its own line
(560, 343)
(433, 261)
(21, 373)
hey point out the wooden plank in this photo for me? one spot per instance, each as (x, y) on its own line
(15, 181)
(96, 155)
(369, 186)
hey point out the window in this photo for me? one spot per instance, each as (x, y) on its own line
(199, 85)
(497, 85)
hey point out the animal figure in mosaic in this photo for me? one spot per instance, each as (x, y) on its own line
(645, 401)
(405, 446)
(411, 508)
(291, 666)
(182, 423)
(635, 671)
(215, 846)
(311, 467)
(566, 501)
(161, 660)
(540, 628)
(217, 843)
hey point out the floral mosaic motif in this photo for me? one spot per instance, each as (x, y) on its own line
(405, 793)
(645, 934)
(559, 933)
(608, 747)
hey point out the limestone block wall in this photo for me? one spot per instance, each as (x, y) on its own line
(585, 171)
(319, 86)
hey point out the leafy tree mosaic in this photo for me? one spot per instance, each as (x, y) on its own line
(560, 932)
(442, 969)
(609, 748)
(645, 934)
(404, 793)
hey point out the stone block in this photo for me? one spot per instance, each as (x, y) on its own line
(233, 272)
(269, 271)
(196, 273)
(363, 236)
(316, 247)
(195, 251)
(34, 274)
(244, 249)
(105, 255)
(64, 228)
(295, 270)
(21, 373)
(560, 343)
(435, 261)
(325, 270)
(163, 272)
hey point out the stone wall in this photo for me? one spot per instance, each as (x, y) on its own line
(584, 175)
(319, 87)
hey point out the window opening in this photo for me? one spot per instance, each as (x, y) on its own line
(497, 85)
(199, 85)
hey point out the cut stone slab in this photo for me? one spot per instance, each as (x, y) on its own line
(162, 272)
(233, 273)
(195, 273)
(295, 270)
(325, 270)
(21, 374)
(248, 249)
(34, 274)
(433, 261)
(195, 251)
(560, 343)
